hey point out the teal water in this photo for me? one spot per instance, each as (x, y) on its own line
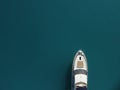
(39, 38)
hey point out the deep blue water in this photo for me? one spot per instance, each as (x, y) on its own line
(39, 38)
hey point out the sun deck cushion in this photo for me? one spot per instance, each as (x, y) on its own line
(80, 64)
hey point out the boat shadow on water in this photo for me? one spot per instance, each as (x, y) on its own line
(116, 86)
(68, 78)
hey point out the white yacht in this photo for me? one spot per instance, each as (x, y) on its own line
(79, 71)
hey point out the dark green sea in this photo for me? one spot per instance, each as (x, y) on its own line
(39, 38)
